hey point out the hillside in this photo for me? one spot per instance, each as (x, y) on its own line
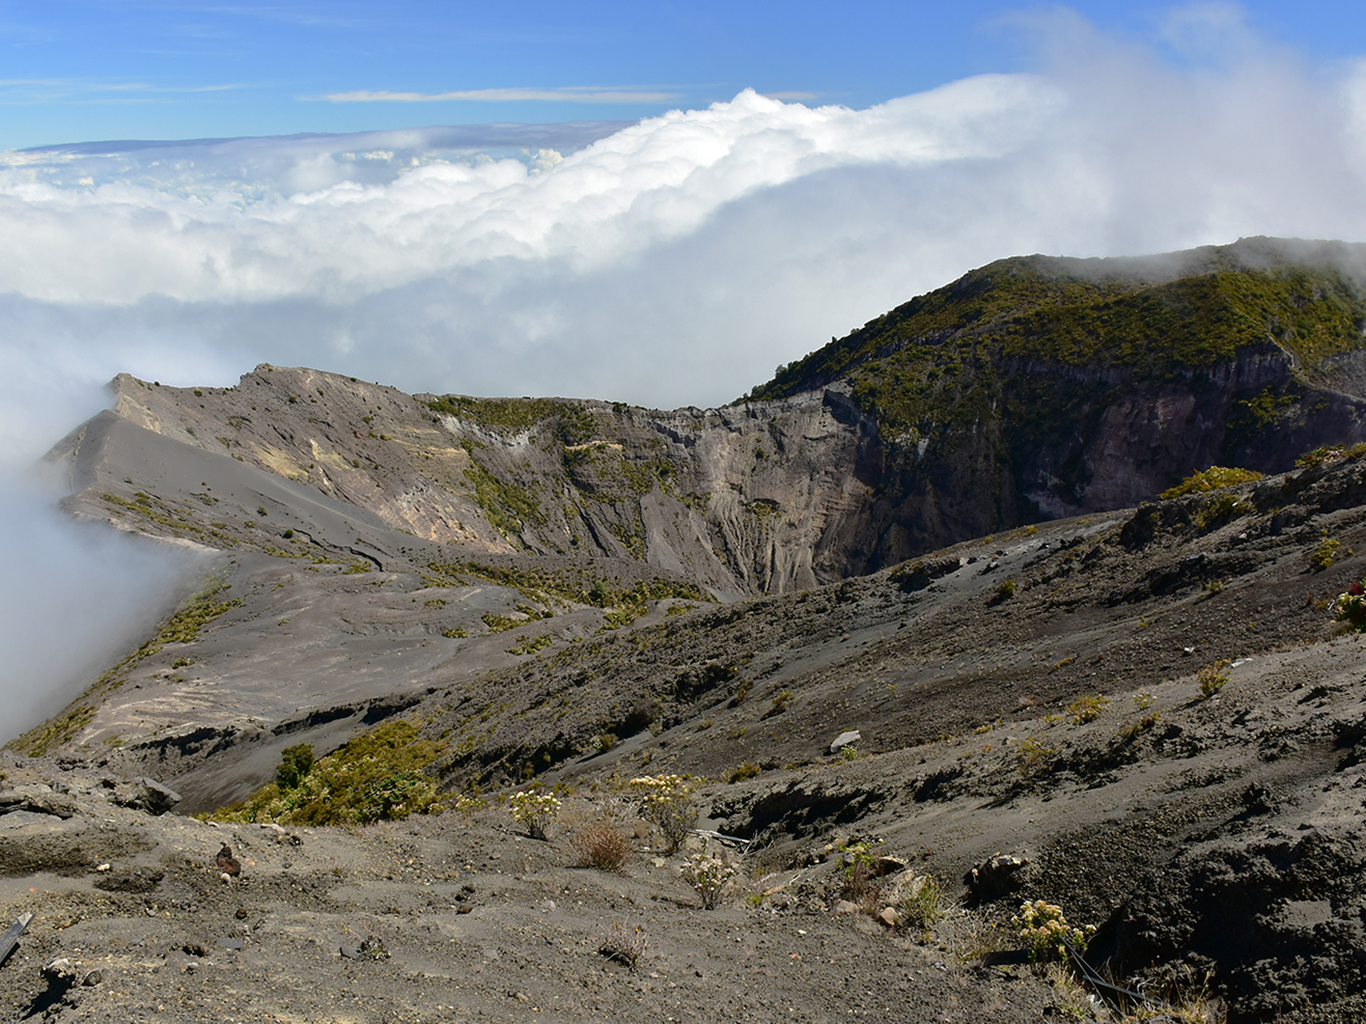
(1149, 699)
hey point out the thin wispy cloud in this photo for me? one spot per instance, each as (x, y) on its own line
(58, 90)
(566, 94)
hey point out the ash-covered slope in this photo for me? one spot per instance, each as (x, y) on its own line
(1038, 693)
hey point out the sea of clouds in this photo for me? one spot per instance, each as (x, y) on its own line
(674, 261)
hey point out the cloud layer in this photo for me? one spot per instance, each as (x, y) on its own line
(670, 262)
(667, 262)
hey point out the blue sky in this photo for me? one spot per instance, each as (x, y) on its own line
(79, 70)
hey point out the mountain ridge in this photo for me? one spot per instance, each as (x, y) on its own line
(1145, 699)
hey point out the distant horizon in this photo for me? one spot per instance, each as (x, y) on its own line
(168, 70)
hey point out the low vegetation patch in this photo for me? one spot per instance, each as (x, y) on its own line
(1044, 930)
(602, 843)
(1351, 607)
(623, 943)
(1086, 708)
(1212, 479)
(709, 875)
(1329, 454)
(534, 810)
(1212, 678)
(378, 776)
(667, 801)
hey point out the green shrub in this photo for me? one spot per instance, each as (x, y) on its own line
(745, 770)
(377, 776)
(1351, 607)
(1086, 707)
(1134, 730)
(1004, 591)
(295, 764)
(1043, 928)
(709, 875)
(667, 801)
(1213, 677)
(1324, 555)
(1032, 757)
(858, 864)
(922, 904)
(1212, 479)
(1328, 454)
(535, 810)
(780, 703)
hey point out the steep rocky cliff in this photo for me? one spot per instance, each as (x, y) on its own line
(1030, 389)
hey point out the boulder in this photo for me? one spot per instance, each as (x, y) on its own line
(146, 794)
(994, 877)
(844, 739)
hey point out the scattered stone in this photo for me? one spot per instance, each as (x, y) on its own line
(885, 866)
(38, 799)
(846, 907)
(92, 978)
(889, 917)
(349, 952)
(227, 863)
(241, 914)
(844, 739)
(994, 877)
(228, 943)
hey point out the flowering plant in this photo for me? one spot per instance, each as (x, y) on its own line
(668, 802)
(535, 810)
(1351, 607)
(709, 875)
(1045, 930)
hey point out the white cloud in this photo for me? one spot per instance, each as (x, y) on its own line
(75, 599)
(730, 238)
(311, 232)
